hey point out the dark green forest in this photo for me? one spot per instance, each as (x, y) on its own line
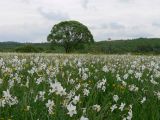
(135, 46)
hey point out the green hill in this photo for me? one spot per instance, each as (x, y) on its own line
(141, 45)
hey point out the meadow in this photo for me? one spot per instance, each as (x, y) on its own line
(79, 87)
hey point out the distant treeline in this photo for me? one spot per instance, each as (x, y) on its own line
(135, 46)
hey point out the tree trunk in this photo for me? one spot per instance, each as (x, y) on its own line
(67, 49)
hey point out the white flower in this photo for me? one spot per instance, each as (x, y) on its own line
(84, 76)
(124, 118)
(143, 100)
(85, 85)
(138, 75)
(153, 82)
(13, 101)
(86, 92)
(113, 107)
(133, 88)
(70, 95)
(11, 83)
(152, 63)
(2, 102)
(39, 80)
(57, 88)
(71, 110)
(83, 118)
(40, 96)
(122, 106)
(24, 61)
(125, 76)
(124, 83)
(158, 95)
(130, 71)
(76, 99)
(103, 88)
(71, 81)
(77, 86)
(101, 84)
(6, 95)
(143, 67)
(50, 105)
(96, 107)
(115, 98)
(28, 108)
(84, 110)
(79, 64)
(118, 77)
(105, 68)
(8, 99)
(130, 115)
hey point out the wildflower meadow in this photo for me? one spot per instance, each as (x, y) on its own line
(79, 87)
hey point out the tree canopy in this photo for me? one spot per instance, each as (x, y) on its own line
(70, 35)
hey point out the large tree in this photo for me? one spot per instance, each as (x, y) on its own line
(70, 35)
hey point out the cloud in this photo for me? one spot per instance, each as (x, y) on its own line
(104, 26)
(116, 25)
(126, 1)
(25, 1)
(107, 26)
(85, 3)
(117, 35)
(25, 33)
(156, 24)
(31, 20)
(99, 27)
(53, 15)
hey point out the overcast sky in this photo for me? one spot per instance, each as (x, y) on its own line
(32, 20)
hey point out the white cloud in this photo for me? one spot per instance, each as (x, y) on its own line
(25, 33)
(85, 3)
(31, 20)
(53, 15)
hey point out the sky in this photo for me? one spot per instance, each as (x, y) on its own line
(32, 20)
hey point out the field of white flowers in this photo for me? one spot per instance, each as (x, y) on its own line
(79, 87)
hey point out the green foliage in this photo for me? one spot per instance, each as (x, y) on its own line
(136, 46)
(9, 46)
(141, 45)
(71, 35)
(29, 49)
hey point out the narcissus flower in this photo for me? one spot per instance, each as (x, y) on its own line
(71, 109)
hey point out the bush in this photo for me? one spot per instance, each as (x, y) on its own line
(29, 49)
